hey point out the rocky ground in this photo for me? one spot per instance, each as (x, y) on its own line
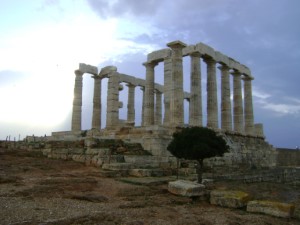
(37, 190)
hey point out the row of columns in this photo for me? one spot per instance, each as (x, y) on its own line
(243, 119)
(113, 104)
(173, 96)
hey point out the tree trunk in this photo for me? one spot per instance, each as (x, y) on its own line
(199, 168)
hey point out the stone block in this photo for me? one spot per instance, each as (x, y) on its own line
(118, 166)
(140, 172)
(231, 199)
(277, 209)
(106, 70)
(186, 188)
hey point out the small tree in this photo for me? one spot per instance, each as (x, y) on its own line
(197, 143)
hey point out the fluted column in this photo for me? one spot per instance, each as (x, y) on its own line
(112, 111)
(167, 88)
(96, 120)
(176, 103)
(77, 102)
(226, 117)
(195, 102)
(237, 102)
(212, 100)
(149, 94)
(248, 106)
(130, 104)
(143, 106)
(158, 118)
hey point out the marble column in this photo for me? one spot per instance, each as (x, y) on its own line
(112, 111)
(167, 89)
(143, 106)
(195, 101)
(158, 119)
(149, 94)
(130, 104)
(77, 102)
(237, 103)
(176, 101)
(226, 116)
(248, 105)
(212, 99)
(96, 120)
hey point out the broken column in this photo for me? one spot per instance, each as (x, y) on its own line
(176, 101)
(77, 102)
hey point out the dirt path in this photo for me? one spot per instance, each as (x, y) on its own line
(36, 190)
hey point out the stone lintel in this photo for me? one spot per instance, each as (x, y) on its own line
(106, 70)
(176, 44)
(247, 77)
(188, 50)
(85, 68)
(159, 56)
(221, 58)
(205, 50)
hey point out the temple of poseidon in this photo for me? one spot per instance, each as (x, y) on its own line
(163, 105)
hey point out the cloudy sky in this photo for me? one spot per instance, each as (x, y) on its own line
(42, 42)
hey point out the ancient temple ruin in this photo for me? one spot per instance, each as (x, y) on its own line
(245, 138)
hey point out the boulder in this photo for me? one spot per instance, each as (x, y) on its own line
(278, 209)
(186, 188)
(231, 199)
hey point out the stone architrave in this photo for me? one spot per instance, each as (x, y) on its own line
(237, 102)
(248, 105)
(176, 100)
(96, 120)
(112, 111)
(143, 106)
(226, 116)
(149, 93)
(130, 104)
(212, 100)
(158, 103)
(195, 106)
(77, 102)
(167, 89)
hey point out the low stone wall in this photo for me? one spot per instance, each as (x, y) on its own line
(280, 175)
(288, 157)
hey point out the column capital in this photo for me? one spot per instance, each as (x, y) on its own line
(176, 44)
(223, 67)
(246, 77)
(96, 77)
(195, 54)
(209, 60)
(236, 73)
(150, 64)
(78, 73)
(130, 85)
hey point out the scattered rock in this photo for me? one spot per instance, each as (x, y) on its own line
(231, 199)
(186, 188)
(278, 209)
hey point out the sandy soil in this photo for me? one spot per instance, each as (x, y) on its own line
(37, 190)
